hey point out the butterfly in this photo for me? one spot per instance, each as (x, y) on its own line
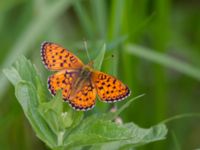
(80, 83)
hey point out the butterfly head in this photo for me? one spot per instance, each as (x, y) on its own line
(90, 64)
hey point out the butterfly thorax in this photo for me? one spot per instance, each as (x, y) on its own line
(86, 71)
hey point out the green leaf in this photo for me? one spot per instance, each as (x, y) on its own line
(51, 112)
(22, 70)
(26, 70)
(12, 75)
(99, 59)
(47, 117)
(41, 90)
(26, 82)
(95, 130)
(74, 116)
(28, 99)
(59, 126)
(59, 120)
(139, 137)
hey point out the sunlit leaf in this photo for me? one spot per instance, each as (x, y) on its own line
(94, 131)
(27, 97)
(59, 126)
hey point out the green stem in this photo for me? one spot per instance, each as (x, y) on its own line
(180, 117)
(60, 138)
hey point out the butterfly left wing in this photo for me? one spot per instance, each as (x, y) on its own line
(55, 57)
(62, 80)
(109, 88)
(84, 99)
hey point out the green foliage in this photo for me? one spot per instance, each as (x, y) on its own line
(36, 27)
(164, 60)
(99, 59)
(59, 126)
(155, 45)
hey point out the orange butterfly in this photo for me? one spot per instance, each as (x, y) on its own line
(79, 83)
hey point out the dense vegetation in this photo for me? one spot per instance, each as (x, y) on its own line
(153, 46)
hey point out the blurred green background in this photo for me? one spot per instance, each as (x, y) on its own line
(133, 31)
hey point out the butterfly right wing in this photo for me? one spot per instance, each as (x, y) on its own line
(109, 88)
(63, 80)
(55, 57)
(84, 98)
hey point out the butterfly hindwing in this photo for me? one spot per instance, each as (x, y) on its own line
(84, 99)
(109, 89)
(62, 80)
(56, 57)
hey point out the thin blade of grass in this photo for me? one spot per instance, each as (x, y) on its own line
(115, 18)
(127, 104)
(164, 60)
(100, 15)
(99, 59)
(180, 117)
(85, 20)
(176, 143)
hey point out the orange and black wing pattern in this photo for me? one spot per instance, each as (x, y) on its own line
(84, 99)
(62, 80)
(79, 91)
(55, 57)
(109, 89)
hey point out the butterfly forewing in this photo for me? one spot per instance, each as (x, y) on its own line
(109, 89)
(56, 57)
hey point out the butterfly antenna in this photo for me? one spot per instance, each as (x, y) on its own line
(86, 48)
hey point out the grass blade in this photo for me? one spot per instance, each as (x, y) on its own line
(164, 60)
(99, 59)
(126, 105)
(180, 117)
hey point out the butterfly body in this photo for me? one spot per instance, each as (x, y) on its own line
(79, 83)
(84, 76)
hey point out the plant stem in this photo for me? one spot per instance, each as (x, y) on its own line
(60, 138)
(59, 141)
